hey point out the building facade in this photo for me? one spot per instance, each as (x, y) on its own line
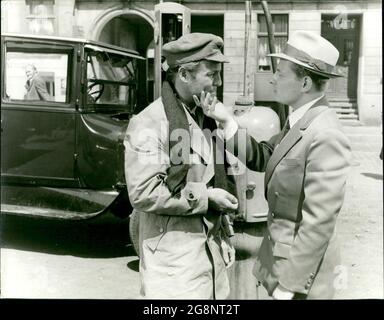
(354, 27)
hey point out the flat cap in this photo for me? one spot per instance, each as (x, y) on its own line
(194, 47)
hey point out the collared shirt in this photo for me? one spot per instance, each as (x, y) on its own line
(299, 112)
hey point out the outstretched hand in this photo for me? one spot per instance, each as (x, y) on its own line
(213, 108)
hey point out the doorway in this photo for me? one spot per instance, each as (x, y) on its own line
(343, 33)
(133, 32)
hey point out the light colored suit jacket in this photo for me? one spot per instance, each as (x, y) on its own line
(36, 89)
(305, 178)
(176, 231)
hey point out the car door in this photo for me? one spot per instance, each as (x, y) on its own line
(38, 113)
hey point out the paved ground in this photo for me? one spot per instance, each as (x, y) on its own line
(361, 220)
(41, 259)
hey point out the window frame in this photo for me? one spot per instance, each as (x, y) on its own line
(26, 46)
(105, 107)
(31, 16)
(265, 34)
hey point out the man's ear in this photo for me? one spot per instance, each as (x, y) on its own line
(183, 74)
(307, 84)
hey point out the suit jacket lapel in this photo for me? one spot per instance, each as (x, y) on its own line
(292, 137)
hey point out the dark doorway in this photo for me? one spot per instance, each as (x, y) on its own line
(133, 32)
(343, 33)
(210, 24)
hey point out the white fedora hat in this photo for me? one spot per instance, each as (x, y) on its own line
(311, 51)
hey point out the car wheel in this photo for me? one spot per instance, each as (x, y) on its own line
(134, 230)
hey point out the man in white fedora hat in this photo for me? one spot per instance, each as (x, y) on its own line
(306, 168)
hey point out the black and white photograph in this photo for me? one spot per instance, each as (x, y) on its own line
(191, 150)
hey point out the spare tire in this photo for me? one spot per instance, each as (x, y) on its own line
(134, 230)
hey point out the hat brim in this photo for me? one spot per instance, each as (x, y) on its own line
(305, 65)
(217, 57)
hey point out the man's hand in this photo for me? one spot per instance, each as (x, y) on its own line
(221, 200)
(213, 108)
(280, 293)
(228, 252)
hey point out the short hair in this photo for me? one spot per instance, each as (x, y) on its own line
(32, 66)
(319, 81)
(189, 66)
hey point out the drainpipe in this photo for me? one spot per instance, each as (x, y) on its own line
(248, 12)
(282, 110)
(271, 36)
(245, 99)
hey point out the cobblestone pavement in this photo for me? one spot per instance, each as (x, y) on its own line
(56, 260)
(360, 223)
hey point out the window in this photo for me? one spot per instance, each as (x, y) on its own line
(41, 18)
(36, 76)
(112, 80)
(280, 26)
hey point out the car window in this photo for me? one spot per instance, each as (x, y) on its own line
(111, 80)
(32, 76)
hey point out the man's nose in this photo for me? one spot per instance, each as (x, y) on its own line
(217, 80)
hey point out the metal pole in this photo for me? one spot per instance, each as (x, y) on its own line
(248, 12)
(271, 37)
(282, 110)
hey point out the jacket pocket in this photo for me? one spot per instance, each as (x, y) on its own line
(281, 249)
(161, 226)
(290, 162)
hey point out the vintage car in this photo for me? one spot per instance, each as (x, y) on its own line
(62, 152)
(62, 132)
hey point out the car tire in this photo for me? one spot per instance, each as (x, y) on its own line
(134, 230)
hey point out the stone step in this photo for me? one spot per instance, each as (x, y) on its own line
(348, 116)
(343, 105)
(345, 110)
(350, 122)
(331, 99)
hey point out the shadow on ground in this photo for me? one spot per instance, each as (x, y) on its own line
(134, 265)
(373, 175)
(102, 237)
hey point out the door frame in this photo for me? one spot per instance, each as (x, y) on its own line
(351, 86)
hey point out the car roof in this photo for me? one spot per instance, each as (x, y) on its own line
(89, 43)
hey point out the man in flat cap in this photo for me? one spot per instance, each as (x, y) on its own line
(305, 166)
(177, 182)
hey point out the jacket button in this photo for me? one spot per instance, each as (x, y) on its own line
(161, 230)
(191, 196)
(272, 214)
(277, 194)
